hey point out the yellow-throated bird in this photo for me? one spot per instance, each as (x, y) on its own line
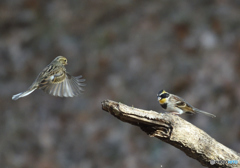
(176, 105)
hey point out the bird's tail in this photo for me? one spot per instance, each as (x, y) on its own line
(204, 112)
(23, 94)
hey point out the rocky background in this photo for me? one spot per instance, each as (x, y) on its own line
(127, 50)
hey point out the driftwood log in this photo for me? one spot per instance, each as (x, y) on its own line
(175, 131)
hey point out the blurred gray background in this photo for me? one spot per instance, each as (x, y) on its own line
(127, 50)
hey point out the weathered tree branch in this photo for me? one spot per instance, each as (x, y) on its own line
(176, 131)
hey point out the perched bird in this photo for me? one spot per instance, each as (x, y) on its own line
(176, 105)
(55, 81)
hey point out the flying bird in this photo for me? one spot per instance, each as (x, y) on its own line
(56, 81)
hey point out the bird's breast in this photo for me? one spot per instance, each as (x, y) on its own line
(58, 78)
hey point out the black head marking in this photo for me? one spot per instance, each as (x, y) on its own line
(164, 105)
(160, 92)
(164, 95)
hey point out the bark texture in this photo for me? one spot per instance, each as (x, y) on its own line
(174, 130)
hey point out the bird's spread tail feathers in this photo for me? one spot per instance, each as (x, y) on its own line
(22, 94)
(204, 112)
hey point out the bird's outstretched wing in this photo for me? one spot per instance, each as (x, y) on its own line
(70, 86)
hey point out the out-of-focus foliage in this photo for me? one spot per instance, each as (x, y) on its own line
(127, 50)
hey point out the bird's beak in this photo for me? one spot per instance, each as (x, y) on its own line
(159, 98)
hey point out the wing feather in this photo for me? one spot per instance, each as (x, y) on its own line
(182, 104)
(69, 87)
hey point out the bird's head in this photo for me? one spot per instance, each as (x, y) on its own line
(60, 59)
(162, 96)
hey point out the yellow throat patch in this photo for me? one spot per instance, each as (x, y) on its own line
(162, 101)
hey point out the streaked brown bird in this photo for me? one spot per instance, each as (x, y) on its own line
(176, 105)
(55, 80)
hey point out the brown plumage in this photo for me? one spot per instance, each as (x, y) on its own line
(55, 81)
(176, 105)
(181, 104)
